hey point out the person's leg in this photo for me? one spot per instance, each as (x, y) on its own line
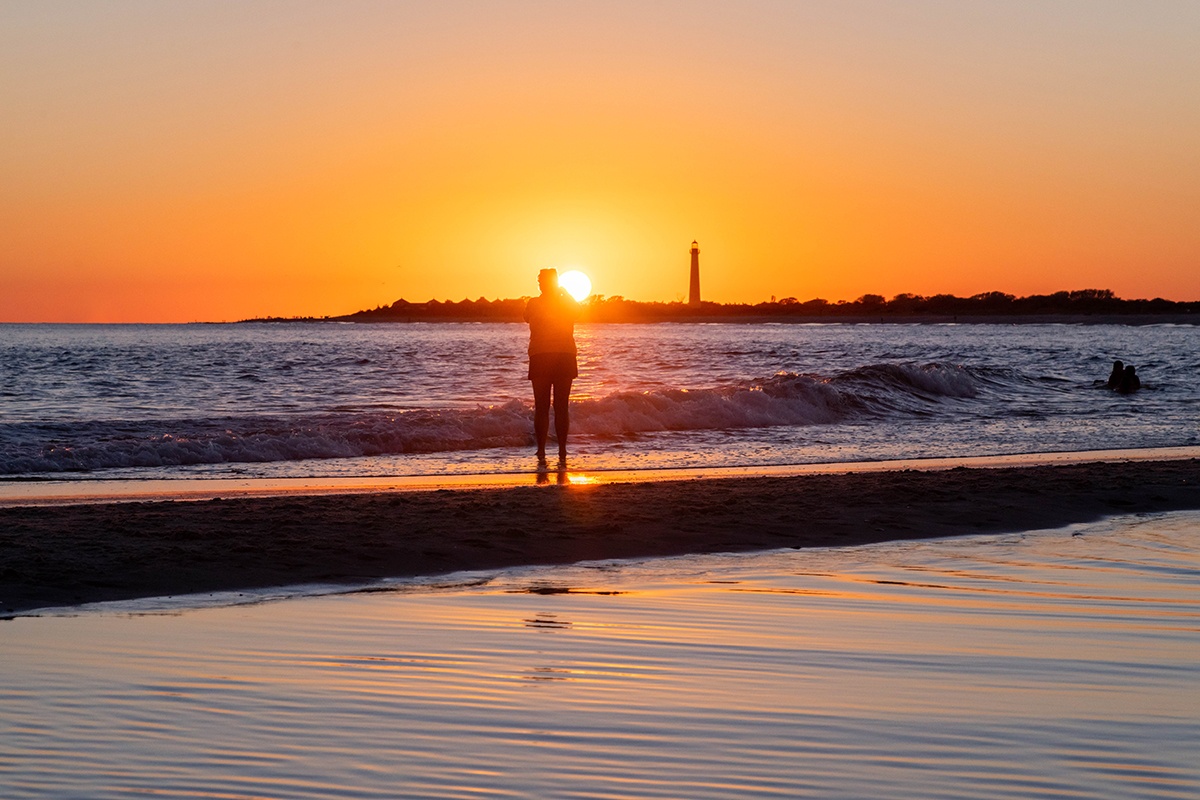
(562, 416)
(541, 413)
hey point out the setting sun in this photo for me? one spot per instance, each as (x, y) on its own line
(576, 283)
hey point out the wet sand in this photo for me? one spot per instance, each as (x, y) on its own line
(71, 554)
(68, 492)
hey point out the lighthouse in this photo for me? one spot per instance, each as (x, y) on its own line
(694, 293)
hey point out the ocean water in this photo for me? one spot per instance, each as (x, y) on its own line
(1059, 663)
(325, 399)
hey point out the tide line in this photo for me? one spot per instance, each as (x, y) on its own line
(80, 491)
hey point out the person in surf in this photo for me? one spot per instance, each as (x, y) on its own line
(1114, 377)
(552, 365)
(1124, 378)
(1130, 382)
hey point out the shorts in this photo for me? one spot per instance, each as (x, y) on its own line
(553, 367)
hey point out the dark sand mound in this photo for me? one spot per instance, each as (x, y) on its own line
(64, 555)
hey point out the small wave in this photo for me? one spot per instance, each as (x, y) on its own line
(783, 399)
(931, 380)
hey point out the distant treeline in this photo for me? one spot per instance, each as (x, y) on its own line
(599, 308)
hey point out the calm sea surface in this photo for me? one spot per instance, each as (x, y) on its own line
(305, 400)
(1048, 664)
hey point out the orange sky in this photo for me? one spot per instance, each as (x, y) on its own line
(213, 161)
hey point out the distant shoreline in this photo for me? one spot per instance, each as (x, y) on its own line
(1078, 307)
(814, 319)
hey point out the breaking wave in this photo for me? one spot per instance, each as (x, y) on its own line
(784, 399)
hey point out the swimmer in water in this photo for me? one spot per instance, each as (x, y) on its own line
(1118, 371)
(1130, 382)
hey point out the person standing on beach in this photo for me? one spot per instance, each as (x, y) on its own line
(552, 366)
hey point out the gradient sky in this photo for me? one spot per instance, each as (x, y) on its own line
(214, 161)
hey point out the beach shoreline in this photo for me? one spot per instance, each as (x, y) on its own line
(66, 555)
(69, 491)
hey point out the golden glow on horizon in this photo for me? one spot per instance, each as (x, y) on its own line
(360, 154)
(576, 283)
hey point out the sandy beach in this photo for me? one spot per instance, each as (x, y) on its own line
(73, 554)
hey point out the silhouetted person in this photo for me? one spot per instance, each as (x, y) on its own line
(1114, 378)
(1130, 382)
(552, 367)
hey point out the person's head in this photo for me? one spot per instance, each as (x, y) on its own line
(548, 281)
(1118, 366)
(1129, 370)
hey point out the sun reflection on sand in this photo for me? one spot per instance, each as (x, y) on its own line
(563, 477)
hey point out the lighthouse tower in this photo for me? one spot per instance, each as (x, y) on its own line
(694, 293)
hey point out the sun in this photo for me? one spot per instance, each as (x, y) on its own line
(576, 283)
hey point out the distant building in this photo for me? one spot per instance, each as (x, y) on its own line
(694, 293)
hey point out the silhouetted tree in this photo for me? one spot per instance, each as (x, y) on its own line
(871, 301)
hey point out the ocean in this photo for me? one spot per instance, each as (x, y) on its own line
(1038, 663)
(290, 400)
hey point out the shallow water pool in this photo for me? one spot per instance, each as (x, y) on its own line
(1059, 663)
